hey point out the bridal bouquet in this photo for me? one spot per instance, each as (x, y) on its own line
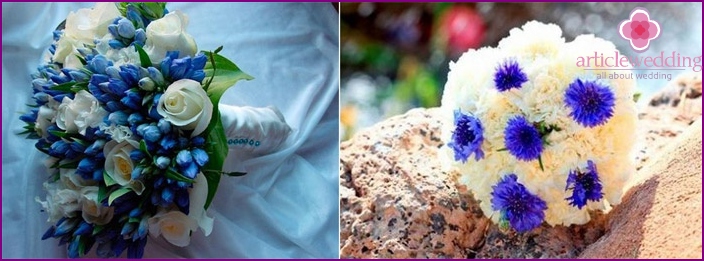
(126, 109)
(535, 137)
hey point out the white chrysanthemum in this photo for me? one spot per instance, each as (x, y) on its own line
(550, 66)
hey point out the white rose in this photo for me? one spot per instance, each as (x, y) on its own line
(82, 27)
(60, 202)
(196, 198)
(174, 225)
(93, 211)
(185, 104)
(80, 113)
(45, 118)
(168, 34)
(74, 181)
(118, 164)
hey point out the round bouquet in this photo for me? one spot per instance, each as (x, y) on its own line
(126, 109)
(535, 137)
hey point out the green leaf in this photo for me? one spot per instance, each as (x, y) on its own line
(108, 180)
(102, 193)
(83, 60)
(64, 87)
(235, 174)
(224, 74)
(172, 174)
(143, 57)
(118, 193)
(69, 165)
(133, 220)
(636, 96)
(97, 229)
(143, 148)
(217, 50)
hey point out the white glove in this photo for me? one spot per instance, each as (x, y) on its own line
(251, 132)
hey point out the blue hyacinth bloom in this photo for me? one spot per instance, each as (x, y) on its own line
(164, 126)
(58, 148)
(134, 16)
(30, 117)
(184, 158)
(167, 195)
(64, 226)
(125, 28)
(94, 148)
(142, 229)
(509, 75)
(78, 76)
(83, 229)
(523, 210)
(116, 44)
(118, 246)
(179, 67)
(190, 171)
(140, 37)
(198, 141)
(135, 119)
(130, 74)
(117, 87)
(98, 64)
(199, 156)
(73, 248)
(127, 228)
(467, 137)
(152, 134)
(156, 75)
(136, 248)
(135, 213)
(522, 139)
(163, 162)
(167, 143)
(86, 165)
(585, 186)
(137, 173)
(118, 118)
(146, 84)
(136, 155)
(591, 103)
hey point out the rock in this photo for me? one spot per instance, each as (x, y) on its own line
(396, 202)
(668, 114)
(660, 217)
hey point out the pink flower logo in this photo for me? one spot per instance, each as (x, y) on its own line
(639, 29)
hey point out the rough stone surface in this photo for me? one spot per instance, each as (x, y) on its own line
(660, 217)
(396, 202)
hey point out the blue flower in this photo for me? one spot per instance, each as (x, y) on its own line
(167, 143)
(146, 83)
(191, 170)
(59, 148)
(167, 195)
(592, 104)
(522, 139)
(137, 173)
(467, 137)
(184, 158)
(49, 233)
(152, 134)
(94, 148)
(127, 228)
(523, 210)
(125, 28)
(118, 118)
(64, 226)
(156, 75)
(73, 248)
(132, 99)
(136, 155)
(164, 126)
(116, 86)
(135, 118)
(198, 141)
(30, 117)
(136, 248)
(142, 229)
(509, 75)
(163, 162)
(584, 186)
(83, 229)
(200, 157)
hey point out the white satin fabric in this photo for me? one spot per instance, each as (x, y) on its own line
(287, 204)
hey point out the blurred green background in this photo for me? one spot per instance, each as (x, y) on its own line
(395, 56)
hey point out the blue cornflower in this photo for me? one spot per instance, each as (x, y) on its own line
(522, 139)
(523, 210)
(584, 186)
(467, 137)
(509, 75)
(591, 103)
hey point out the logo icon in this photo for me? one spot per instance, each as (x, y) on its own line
(639, 29)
